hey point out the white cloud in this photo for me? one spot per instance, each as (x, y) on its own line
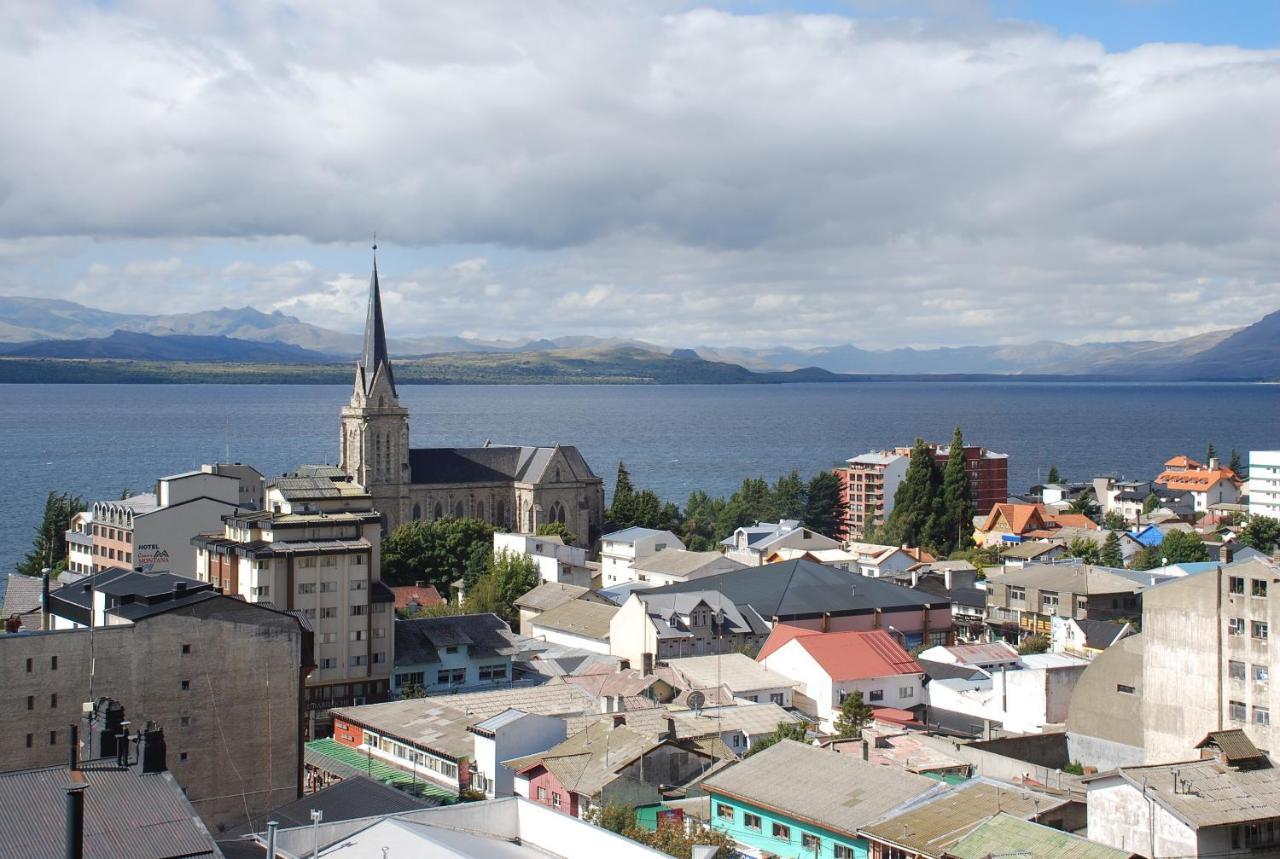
(686, 176)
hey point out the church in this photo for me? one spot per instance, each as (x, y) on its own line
(516, 488)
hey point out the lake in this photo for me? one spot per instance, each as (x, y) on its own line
(97, 440)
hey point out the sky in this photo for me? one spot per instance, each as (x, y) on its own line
(879, 172)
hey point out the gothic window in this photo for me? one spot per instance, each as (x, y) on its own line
(557, 475)
(479, 509)
(459, 511)
(377, 452)
(500, 515)
(529, 528)
(439, 511)
(417, 511)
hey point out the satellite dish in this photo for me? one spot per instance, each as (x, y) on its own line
(696, 700)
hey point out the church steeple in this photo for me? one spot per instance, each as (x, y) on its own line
(374, 356)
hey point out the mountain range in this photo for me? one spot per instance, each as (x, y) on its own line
(36, 328)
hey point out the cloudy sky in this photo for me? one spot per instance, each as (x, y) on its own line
(753, 173)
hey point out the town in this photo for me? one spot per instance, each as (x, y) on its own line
(466, 652)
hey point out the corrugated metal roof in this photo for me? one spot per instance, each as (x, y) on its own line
(1011, 836)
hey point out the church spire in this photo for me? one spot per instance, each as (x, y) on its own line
(375, 336)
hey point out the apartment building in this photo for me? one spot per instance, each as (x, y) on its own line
(1022, 602)
(315, 550)
(1264, 483)
(988, 473)
(868, 483)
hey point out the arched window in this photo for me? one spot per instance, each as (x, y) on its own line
(559, 512)
(459, 511)
(557, 474)
(500, 515)
(479, 509)
(439, 511)
(417, 511)
(529, 528)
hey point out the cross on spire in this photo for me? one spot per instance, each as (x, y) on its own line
(374, 353)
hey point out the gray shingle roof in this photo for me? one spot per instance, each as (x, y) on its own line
(493, 464)
(419, 641)
(351, 798)
(836, 791)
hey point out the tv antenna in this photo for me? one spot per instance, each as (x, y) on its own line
(696, 701)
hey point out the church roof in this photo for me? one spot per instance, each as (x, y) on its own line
(494, 464)
(375, 338)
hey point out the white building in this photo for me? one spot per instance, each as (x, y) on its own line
(875, 560)
(511, 734)
(577, 623)
(830, 666)
(620, 550)
(746, 679)
(1264, 483)
(754, 545)
(556, 562)
(673, 566)
(1022, 700)
(989, 657)
(453, 653)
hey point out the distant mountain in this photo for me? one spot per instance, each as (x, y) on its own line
(132, 346)
(1248, 354)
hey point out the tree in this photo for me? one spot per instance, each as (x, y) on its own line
(621, 511)
(509, 577)
(557, 529)
(1085, 549)
(1114, 521)
(784, 731)
(49, 548)
(699, 526)
(1034, 644)
(854, 715)
(1151, 502)
(1084, 504)
(674, 840)
(790, 497)
(1111, 555)
(436, 553)
(1177, 547)
(615, 817)
(1210, 453)
(1261, 533)
(915, 519)
(957, 505)
(822, 509)
(1054, 476)
(1236, 464)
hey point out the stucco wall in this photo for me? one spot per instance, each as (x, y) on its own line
(1120, 817)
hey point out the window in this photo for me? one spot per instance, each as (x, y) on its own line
(1125, 689)
(53, 700)
(328, 662)
(1048, 602)
(182, 756)
(357, 635)
(185, 721)
(328, 587)
(875, 695)
(262, 591)
(53, 663)
(1236, 670)
(1259, 587)
(379, 657)
(186, 685)
(493, 672)
(1261, 716)
(1235, 585)
(782, 831)
(775, 698)
(409, 678)
(1260, 630)
(327, 637)
(29, 665)
(843, 852)
(186, 649)
(451, 677)
(379, 607)
(451, 649)
(331, 611)
(358, 560)
(811, 842)
(1017, 593)
(31, 702)
(1261, 673)
(358, 610)
(53, 738)
(1237, 711)
(31, 738)
(306, 587)
(542, 794)
(358, 660)
(751, 821)
(357, 584)
(555, 800)
(309, 613)
(723, 811)
(1235, 626)
(907, 692)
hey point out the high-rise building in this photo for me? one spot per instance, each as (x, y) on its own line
(1264, 483)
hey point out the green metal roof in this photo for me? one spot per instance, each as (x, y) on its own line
(378, 770)
(1008, 835)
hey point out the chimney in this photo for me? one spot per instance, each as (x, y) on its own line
(671, 728)
(619, 719)
(1225, 553)
(12, 624)
(271, 839)
(866, 750)
(75, 822)
(73, 748)
(1213, 463)
(153, 749)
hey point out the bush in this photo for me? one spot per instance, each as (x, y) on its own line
(1034, 644)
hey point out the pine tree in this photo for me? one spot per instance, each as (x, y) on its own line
(622, 511)
(1236, 464)
(790, 497)
(1054, 476)
(1111, 555)
(822, 511)
(957, 505)
(1210, 453)
(49, 549)
(854, 716)
(914, 520)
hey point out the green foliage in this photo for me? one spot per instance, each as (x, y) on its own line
(1085, 505)
(615, 817)
(784, 731)
(672, 839)
(917, 516)
(1236, 464)
(1034, 644)
(1111, 555)
(49, 549)
(1074, 768)
(957, 506)
(1210, 453)
(1086, 550)
(790, 497)
(1114, 521)
(436, 552)
(1151, 502)
(1261, 533)
(1054, 476)
(1177, 547)
(854, 716)
(981, 557)
(700, 514)
(822, 510)
(509, 577)
(622, 509)
(557, 529)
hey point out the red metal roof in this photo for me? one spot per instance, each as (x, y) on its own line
(859, 655)
(780, 635)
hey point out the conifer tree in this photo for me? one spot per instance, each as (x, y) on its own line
(49, 549)
(822, 511)
(622, 511)
(1210, 453)
(1054, 476)
(957, 505)
(854, 716)
(914, 520)
(790, 496)
(1236, 464)
(1111, 555)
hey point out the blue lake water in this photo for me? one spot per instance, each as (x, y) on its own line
(96, 440)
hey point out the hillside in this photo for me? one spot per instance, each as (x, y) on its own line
(127, 345)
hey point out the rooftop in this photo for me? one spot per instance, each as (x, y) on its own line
(630, 535)
(738, 671)
(548, 595)
(353, 797)
(1071, 578)
(578, 617)
(1206, 793)
(590, 759)
(840, 793)
(682, 562)
(1007, 835)
(855, 655)
(421, 639)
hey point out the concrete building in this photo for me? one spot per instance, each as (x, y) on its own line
(115, 596)
(1085, 638)
(152, 532)
(652, 627)
(745, 678)
(1031, 697)
(620, 550)
(1264, 483)
(988, 658)
(315, 549)
(555, 561)
(868, 483)
(511, 734)
(514, 487)
(829, 667)
(577, 623)
(1105, 719)
(80, 554)
(1022, 603)
(221, 677)
(1206, 484)
(754, 545)
(547, 596)
(452, 653)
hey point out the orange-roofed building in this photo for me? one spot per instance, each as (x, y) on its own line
(1207, 485)
(829, 666)
(1073, 520)
(413, 597)
(1013, 523)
